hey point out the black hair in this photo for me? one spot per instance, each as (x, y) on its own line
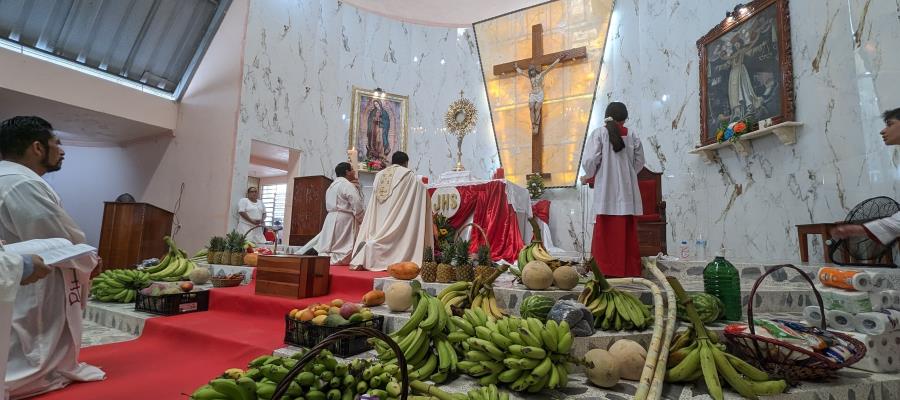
(17, 133)
(891, 114)
(252, 188)
(341, 169)
(619, 113)
(399, 158)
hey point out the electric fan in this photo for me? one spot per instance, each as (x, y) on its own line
(864, 251)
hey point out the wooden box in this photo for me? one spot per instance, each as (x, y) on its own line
(133, 232)
(294, 277)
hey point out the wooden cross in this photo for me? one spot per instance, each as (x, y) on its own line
(539, 60)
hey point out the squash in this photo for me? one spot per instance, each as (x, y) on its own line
(399, 296)
(404, 270)
(537, 275)
(602, 368)
(631, 357)
(251, 259)
(565, 277)
(200, 275)
(373, 298)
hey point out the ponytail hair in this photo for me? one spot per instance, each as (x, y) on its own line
(616, 113)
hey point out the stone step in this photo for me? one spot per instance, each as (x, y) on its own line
(118, 316)
(848, 384)
(777, 297)
(693, 270)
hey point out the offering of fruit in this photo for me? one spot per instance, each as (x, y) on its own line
(334, 313)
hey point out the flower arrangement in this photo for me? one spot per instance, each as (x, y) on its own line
(445, 232)
(535, 185)
(375, 165)
(733, 130)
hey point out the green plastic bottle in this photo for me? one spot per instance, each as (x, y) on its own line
(721, 279)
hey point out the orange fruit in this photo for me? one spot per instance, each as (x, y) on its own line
(293, 313)
(320, 312)
(306, 315)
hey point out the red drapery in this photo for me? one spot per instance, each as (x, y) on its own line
(541, 210)
(494, 214)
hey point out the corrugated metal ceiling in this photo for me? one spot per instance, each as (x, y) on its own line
(154, 42)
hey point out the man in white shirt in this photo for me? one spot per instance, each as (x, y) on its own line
(344, 203)
(46, 327)
(397, 225)
(884, 230)
(15, 270)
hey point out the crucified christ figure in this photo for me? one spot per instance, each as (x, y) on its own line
(536, 97)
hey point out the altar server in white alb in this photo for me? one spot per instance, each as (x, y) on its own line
(885, 230)
(46, 327)
(397, 225)
(15, 270)
(344, 203)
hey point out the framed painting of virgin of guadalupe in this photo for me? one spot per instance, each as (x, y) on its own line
(378, 126)
(746, 69)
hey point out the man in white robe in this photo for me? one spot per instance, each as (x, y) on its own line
(46, 327)
(397, 225)
(15, 270)
(344, 203)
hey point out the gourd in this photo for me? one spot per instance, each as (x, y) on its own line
(537, 275)
(398, 296)
(373, 298)
(602, 369)
(405, 270)
(200, 276)
(565, 277)
(631, 357)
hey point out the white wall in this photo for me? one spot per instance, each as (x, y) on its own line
(93, 175)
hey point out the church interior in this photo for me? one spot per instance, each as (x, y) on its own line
(467, 200)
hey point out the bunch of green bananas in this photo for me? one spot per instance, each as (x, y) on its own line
(536, 251)
(455, 295)
(524, 354)
(174, 266)
(119, 285)
(325, 378)
(431, 392)
(695, 354)
(423, 340)
(613, 310)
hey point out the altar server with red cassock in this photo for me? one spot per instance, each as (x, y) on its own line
(613, 156)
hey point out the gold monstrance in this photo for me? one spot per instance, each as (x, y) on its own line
(460, 120)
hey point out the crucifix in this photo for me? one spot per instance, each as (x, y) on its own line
(536, 98)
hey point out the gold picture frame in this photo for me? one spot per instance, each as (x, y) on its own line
(385, 130)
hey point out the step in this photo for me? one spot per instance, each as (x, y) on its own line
(119, 316)
(94, 334)
(774, 297)
(691, 270)
(848, 384)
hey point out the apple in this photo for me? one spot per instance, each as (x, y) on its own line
(187, 286)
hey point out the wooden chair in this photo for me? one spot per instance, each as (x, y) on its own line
(651, 227)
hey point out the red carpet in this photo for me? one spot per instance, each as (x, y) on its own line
(177, 354)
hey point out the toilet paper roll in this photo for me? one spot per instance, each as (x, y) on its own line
(880, 281)
(851, 302)
(813, 316)
(839, 320)
(895, 298)
(877, 323)
(845, 279)
(881, 300)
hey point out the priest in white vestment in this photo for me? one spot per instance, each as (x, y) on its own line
(344, 203)
(46, 327)
(397, 225)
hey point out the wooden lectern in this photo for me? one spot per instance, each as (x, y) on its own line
(308, 208)
(133, 232)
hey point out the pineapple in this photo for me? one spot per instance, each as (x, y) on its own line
(463, 265)
(484, 264)
(235, 248)
(445, 273)
(216, 247)
(429, 267)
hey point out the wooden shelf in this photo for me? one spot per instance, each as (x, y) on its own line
(786, 132)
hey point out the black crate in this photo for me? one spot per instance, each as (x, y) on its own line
(173, 304)
(306, 334)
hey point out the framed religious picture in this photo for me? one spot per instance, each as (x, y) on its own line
(746, 70)
(378, 125)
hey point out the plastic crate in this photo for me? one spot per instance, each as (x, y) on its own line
(173, 304)
(307, 334)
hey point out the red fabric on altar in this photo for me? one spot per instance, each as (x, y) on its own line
(541, 210)
(494, 214)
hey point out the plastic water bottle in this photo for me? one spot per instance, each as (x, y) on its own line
(721, 279)
(700, 249)
(684, 251)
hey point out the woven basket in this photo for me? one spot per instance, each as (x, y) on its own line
(781, 359)
(226, 282)
(346, 333)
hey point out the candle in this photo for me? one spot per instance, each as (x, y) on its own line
(354, 157)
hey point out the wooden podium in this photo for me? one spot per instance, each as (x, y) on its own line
(294, 277)
(132, 232)
(308, 208)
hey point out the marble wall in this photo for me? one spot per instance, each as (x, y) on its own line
(845, 75)
(302, 60)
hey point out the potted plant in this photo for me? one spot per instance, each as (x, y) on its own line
(463, 264)
(484, 265)
(429, 267)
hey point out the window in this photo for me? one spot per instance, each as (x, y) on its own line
(273, 197)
